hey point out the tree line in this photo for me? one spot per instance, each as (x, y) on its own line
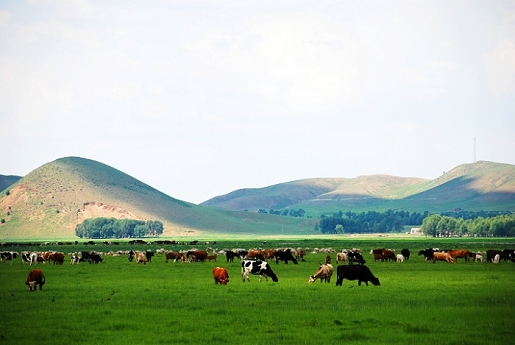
(369, 222)
(292, 212)
(445, 226)
(118, 228)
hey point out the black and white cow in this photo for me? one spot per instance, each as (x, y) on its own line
(428, 254)
(8, 256)
(284, 255)
(355, 256)
(257, 267)
(75, 259)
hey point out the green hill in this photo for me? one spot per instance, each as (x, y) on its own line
(51, 200)
(478, 186)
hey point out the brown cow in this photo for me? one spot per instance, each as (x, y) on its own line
(140, 257)
(211, 257)
(58, 258)
(324, 273)
(459, 253)
(34, 278)
(172, 255)
(443, 257)
(220, 275)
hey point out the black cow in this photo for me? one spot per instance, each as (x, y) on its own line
(406, 253)
(284, 255)
(508, 254)
(230, 255)
(428, 254)
(84, 256)
(130, 255)
(355, 257)
(149, 254)
(257, 267)
(95, 259)
(361, 273)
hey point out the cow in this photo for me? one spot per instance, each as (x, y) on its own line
(140, 257)
(491, 253)
(84, 256)
(324, 273)
(299, 254)
(200, 255)
(149, 254)
(33, 258)
(284, 255)
(478, 258)
(361, 273)
(443, 257)
(8, 256)
(508, 254)
(389, 255)
(25, 258)
(256, 255)
(172, 255)
(58, 258)
(328, 259)
(355, 256)
(35, 277)
(400, 258)
(341, 257)
(428, 254)
(459, 253)
(130, 255)
(406, 253)
(75, 259)
(261, 268)
(220, 275)
(95, 259)
(211, 257)
(230, 255)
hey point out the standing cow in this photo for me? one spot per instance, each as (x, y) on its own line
(220, 275)
(361, 273)
(35, 277)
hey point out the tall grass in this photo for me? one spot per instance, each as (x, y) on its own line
(119, 302)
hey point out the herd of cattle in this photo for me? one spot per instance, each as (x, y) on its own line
(256, 261)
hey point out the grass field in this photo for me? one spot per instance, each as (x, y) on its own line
(119, 302)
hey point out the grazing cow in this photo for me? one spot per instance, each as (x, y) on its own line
(491, 253)
(389, 255)
(497, 258)
(172, 255)
(459, 253)
(299, 254)
(428, 254)
(230, 255)
(221, 276)
(35, 277)
(95, 259)
(130, 255)
(149, 254)
(443, 257)
(361, 273)
(324, 273)
(257, 267)
(140, 257)
(341, 257)
(255, 255)
(33, 258)
(284, 255)
(84, 256)
(58, 258)
(25, 258)
(406, 253)
(355, 257)
(508, 254)
(478, 258)
(400, 258)
(200, 255)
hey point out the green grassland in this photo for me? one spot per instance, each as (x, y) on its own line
(119, 302)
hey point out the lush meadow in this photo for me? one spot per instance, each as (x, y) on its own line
(121, 302)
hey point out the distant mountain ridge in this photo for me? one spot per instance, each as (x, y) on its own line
(51, 200)
(480, 185)
(8, 180)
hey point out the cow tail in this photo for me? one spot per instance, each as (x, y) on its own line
(43, 282)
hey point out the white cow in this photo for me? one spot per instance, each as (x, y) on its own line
(400, 258)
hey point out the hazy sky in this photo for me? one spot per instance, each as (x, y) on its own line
(200, 98)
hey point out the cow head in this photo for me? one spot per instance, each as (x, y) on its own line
(311, 279)
(32, 285)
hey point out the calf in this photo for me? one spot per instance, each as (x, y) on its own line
(361, 273)
(400, 258)
(230, 255)
(35, 277)
(324, 273)
(257, 267)
(220, 275)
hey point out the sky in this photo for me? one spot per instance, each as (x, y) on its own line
(200, 98)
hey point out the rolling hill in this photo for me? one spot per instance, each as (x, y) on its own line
(51, 200)
(478, 186)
